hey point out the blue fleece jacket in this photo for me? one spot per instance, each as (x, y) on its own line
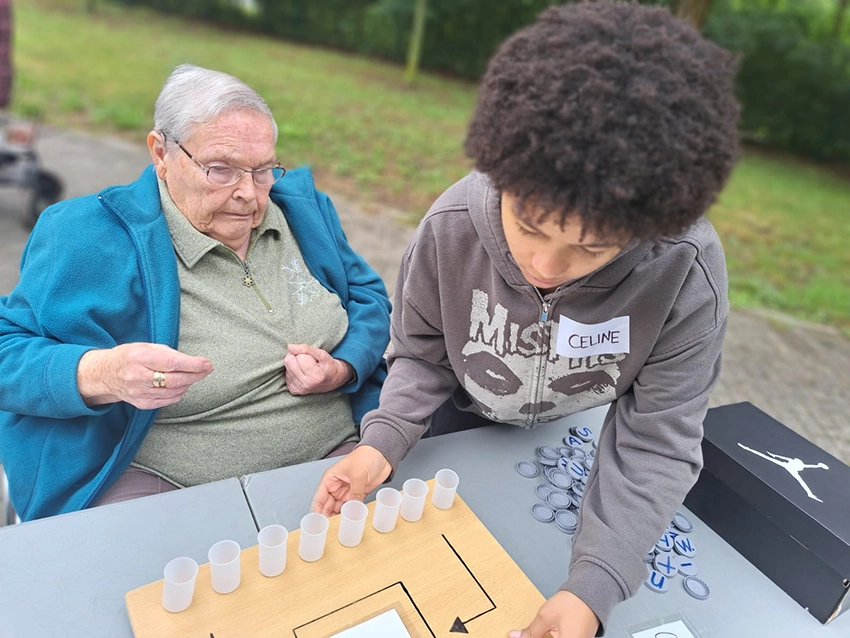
(99, 271)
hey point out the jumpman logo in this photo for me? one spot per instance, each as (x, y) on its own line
(794, 467)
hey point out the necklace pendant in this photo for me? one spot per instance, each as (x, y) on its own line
(248, 280)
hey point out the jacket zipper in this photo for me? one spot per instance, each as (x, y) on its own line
(248, 278)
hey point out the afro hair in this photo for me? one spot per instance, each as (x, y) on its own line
(619, 113)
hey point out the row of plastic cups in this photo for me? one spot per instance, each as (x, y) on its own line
(389, 505)
(225, 573)
(224, 557)
(225, 567)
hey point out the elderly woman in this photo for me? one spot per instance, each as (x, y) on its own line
(206, 321)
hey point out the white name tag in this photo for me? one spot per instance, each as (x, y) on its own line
(577, 340)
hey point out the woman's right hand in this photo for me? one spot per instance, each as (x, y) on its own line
(126, 373)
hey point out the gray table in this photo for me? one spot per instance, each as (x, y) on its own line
(743, 604)
(67, 575)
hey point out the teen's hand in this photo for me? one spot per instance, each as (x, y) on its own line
(564, 615)
(350, 479)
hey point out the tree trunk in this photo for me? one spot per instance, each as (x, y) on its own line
(839, 18)
(694, 11)
(417, 34)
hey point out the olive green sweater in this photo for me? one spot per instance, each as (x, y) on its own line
(241, 418)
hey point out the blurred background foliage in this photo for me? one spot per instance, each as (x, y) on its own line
(794, 77)
(783, 217)
(794, 80)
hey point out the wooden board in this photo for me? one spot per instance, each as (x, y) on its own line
(444, 571)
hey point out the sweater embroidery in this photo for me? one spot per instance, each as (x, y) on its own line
(304, 288)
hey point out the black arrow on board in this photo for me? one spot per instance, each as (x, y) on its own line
(459, 626)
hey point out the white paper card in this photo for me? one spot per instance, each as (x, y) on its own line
(676, 629)
(386, 625)
(576, 340)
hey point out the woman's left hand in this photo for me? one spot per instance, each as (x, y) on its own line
(311, 370)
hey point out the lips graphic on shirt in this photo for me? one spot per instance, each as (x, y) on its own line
(490, 372)
(502, 357)
(498, 384)
(595, 381)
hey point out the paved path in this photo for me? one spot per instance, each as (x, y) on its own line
(798, 373)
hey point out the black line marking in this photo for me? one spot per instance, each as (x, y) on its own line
(250, 510)
(375, 593)
(416, 607)
(462, 562)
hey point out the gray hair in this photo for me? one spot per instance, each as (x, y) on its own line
(193, 95)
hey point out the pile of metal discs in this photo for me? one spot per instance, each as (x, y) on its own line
(673, 555)
(565, 469)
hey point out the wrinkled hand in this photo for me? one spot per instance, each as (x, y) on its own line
(350, 479)
(125, 373)
(564, 615)
(311, 370)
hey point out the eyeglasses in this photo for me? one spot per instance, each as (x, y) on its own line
(224, 175)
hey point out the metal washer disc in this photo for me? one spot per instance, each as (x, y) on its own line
(566, 519)
(559, 500)
(683, 546)
(543, 490)
(549, 452)
(657, 582)
(665, 563)
(561, 479)
(542, 512)
(687, 567)
(696, 587)
(527, 469)
(682, 523)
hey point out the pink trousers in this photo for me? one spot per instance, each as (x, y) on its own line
(135, 482)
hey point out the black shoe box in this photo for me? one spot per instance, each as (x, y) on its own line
(780, 501)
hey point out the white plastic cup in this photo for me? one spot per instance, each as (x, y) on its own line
(413, 496)
(387, 505)
(314, 531)
(178, 585)
(225, 569)
(352, 523)
(272, 549)
(445, 488)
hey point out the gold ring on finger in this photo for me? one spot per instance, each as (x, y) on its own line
(159, 379)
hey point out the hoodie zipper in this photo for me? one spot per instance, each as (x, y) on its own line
(541, 364)
(545, 314)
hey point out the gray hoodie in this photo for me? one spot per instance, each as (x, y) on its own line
(466, 323)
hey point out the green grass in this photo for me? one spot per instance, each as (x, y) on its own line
(785, 223)
(785, 226)
(352, 119)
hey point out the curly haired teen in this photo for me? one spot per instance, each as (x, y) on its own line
(602, 134)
